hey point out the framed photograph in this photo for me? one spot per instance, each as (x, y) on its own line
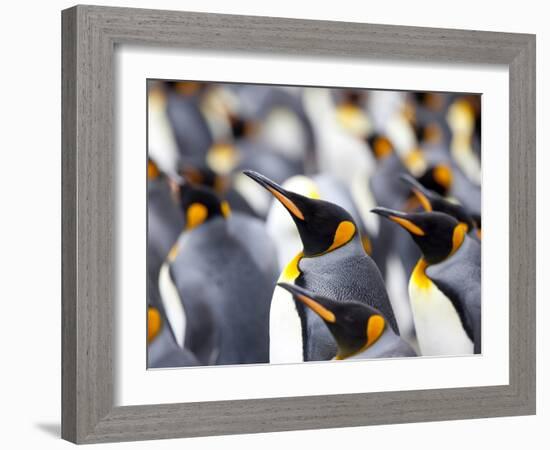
(277, 224)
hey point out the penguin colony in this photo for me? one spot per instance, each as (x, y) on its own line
(294, 224)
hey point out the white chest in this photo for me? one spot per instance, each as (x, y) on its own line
(438, 326)
(285, 329)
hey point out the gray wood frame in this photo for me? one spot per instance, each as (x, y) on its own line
(90, 34)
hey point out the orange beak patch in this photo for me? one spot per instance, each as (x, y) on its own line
(287, 203)
(423, 200)
(408, 225)
(323, 312)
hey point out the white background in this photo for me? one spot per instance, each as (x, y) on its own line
(31, 209)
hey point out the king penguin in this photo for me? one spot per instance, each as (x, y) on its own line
(360, 331)
(445, 286)
(432, 201)
(217, 282)
(332, 263)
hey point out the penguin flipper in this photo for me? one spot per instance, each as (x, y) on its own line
(202, 332)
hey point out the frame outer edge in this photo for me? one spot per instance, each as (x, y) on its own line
(88, 210)
(68, 224)
(522, 283)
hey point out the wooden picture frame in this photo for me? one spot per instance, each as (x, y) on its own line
(90, 34)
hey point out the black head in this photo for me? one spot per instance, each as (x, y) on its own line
(380, 146)
(429, 133)
(355, 326)
(438, 178)
(432, 201)
(241, 127)
(431, 100)
(354, 97)
(185, 88)
(437, 234)
(323, 226)
(200, 204)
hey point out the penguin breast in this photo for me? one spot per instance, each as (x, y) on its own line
(438, 325)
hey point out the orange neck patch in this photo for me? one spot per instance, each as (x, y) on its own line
(382, 148)
(226, 209)
(458, 236)
(154, 323)
(196, 214)
(153, 171)
(375, 328)
(443, 175)
(344, 233)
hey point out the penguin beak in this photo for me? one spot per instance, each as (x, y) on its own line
(277, 191)
(401, 219)
(307, 299)
(421, 193)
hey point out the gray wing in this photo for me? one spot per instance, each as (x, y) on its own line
(214, 269)
(459, 278)
(202, 329)
(257, 242)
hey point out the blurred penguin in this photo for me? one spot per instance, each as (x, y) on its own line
(217, 282)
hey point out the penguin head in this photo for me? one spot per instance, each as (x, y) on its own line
(438, 178)
(204, 175)
(437, 234)
(185, 88)
(355, 326)
(323, 226)
(241, 126)
(200, 204)
(380, 146)
(350, 112)
(432, 201)
(433, 101)
(429, 133)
